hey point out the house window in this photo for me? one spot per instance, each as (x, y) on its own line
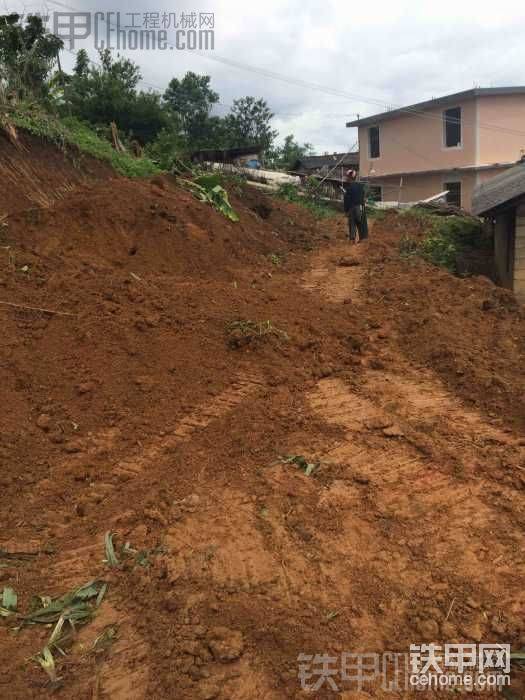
(454, 193)
(452, 127)
(373, 142)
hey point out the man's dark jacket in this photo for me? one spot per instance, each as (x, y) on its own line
(354, 195)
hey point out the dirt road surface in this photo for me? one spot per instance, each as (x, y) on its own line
(141, 415)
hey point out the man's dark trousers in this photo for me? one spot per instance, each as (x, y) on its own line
(357, 222)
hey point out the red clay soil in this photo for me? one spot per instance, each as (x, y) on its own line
(33, 173)
(130, 406)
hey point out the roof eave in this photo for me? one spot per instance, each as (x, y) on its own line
(438, 101)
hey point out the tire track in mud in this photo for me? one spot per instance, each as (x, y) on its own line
(410, 527)
(125, 676)
(444, 527)
(337, 282)
(197, 420)
(407, 535)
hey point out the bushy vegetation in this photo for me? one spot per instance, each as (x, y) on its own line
(374, 212)
(286, 156)
(70, 131)
(167, 125)
(445, 237)
(308, 196)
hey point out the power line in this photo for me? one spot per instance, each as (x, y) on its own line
(347, 95)
(322, 88)
(315, 86)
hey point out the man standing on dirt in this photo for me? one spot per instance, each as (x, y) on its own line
(354, 206)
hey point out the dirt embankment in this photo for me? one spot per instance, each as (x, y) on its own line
(34, 173)
(135, 410)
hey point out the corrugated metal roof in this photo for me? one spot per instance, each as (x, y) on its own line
(499, 190)
(330, 160)
(439, 102)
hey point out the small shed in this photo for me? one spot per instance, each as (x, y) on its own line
(322, 165)
(501, 201)
(243, 156)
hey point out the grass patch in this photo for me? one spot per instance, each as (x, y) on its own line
(445, 238)
(408, 247)
(276, 259)
(71, 132)
(243, 332)
(374, 212)
(307, 198)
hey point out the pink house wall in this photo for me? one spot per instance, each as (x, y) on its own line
(411, 142)
(492, 132)
(503, 112)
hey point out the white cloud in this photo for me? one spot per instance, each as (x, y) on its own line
(395, 53)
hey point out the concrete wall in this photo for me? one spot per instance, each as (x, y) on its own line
(504, 112)
(416, 187)
(414, 143)
(519, 255)
(409, 143)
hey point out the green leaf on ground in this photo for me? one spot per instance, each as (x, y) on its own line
(111, 557)
(301, 462)
(9, 599)
(47, 662)
(105, 639)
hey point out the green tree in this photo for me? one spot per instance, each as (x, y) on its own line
(146, 117)
(206, 131)
(28, 53)
(287, 155)
(81, 68)
(191, 99)
(248, 123)
(107, 92)
(170, 144)
(102, 93)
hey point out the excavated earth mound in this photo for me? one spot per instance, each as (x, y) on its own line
(160, 366)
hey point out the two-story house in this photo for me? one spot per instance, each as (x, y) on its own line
(449, 143)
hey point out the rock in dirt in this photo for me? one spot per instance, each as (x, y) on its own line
(429, 630)
(80, 510)
(378, 423)
(170, 603)
(73, 446)
(85, 388)
(348, 262)
(209, 691)
(44, 421)
(190, 503)
(226, 645)
(393, 431)
(155, 514)
(376, 364)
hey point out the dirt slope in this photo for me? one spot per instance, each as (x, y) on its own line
(35, 174)
(134, 412)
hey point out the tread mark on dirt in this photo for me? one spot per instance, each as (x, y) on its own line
(199, 419)
(453, 518)
(335, 282)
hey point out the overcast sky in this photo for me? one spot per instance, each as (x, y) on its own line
(378, 53)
